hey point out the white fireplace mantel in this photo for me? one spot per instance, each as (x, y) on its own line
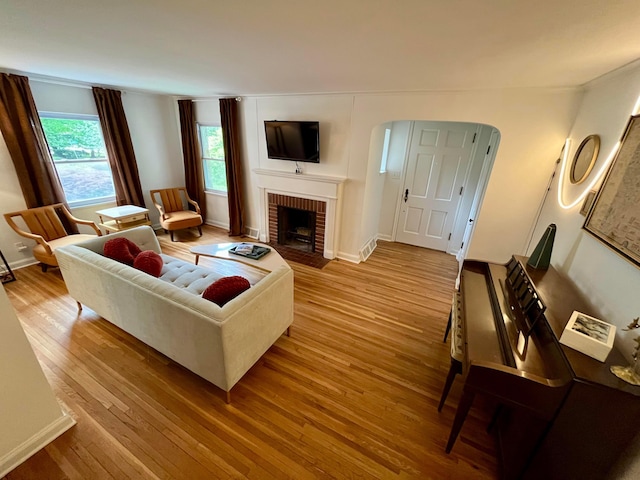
(315, 187)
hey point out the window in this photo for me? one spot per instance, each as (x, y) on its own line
(385, 150)
(80, 157)
(215, 174)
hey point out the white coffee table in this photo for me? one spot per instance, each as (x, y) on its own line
(268, 263)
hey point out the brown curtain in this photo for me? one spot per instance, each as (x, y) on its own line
(24, 136)
(233, 159)
(193, 169)
(119, 147)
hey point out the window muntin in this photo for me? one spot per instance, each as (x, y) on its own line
(212, 149)
(80, 157)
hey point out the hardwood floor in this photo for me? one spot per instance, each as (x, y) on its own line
(353, 393)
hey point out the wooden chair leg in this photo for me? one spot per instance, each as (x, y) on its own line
(79, 306)
(454, 369)
(461, 414)
(228, 399)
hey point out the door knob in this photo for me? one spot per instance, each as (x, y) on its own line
(406, 195)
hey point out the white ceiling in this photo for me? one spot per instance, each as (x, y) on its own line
(213, 47)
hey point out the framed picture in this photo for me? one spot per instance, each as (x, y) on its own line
(589, 335)
(588, 202)
(614, 218)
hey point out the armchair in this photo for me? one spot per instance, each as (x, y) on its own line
(47, 230)
(174, 212)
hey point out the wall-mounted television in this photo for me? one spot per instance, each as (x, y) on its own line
(296, 141)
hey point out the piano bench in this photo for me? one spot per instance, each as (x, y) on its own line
(457, 347)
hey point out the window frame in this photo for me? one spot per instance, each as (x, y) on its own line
(203, 158)
(87, 117)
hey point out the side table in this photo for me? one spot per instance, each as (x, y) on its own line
(123, 217)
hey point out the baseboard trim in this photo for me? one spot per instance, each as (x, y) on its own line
(384, 237)
(218, 224)
(27, 262)
(34, 444)
(349, 257)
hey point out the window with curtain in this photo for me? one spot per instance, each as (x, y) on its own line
(80, 157)
(212, 149)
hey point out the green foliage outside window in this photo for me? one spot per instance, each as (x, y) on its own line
(80, 157)
(74, 139)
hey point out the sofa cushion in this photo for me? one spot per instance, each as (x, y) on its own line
(226, 289)
(149, 262)
(121, 249)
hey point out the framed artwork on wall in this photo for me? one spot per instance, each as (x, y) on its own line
(614, 218)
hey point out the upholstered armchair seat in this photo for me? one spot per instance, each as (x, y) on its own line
(180, 220)
(172, 203)
(40, 252)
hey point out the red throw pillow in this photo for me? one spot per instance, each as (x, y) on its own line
(149, 262)
(121, 249)
(225, 289)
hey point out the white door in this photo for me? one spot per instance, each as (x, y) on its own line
(437, 164)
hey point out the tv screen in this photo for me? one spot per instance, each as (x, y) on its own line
(297, 141)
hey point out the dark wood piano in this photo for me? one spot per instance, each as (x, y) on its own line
(562, 414)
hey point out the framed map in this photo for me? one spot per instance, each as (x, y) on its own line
(614, 218)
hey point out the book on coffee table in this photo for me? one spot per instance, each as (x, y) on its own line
(250, 251)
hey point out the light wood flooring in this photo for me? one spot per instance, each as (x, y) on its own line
(352, 394)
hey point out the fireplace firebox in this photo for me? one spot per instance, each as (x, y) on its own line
(297, 228)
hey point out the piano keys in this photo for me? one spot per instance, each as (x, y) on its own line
(563, 414)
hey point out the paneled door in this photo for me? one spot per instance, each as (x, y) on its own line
(437, 164)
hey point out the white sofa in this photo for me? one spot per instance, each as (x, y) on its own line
(218, 343)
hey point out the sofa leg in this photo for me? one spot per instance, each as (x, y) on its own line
(200, 230)
(288, 332)
(171, 233)
(228, 399)
(44, 267)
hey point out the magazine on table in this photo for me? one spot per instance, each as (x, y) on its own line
(249, 250)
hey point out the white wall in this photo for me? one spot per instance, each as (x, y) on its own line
(393, 178)
(532, 122)
(373, 195)
(154, 132)
(609, 282)
(30, 416)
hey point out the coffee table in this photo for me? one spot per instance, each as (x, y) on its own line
(268, 263)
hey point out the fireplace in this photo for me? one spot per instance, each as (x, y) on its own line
(297, 228)
(321, 194)
(297, 222)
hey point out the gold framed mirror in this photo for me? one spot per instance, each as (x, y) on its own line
(584, 159)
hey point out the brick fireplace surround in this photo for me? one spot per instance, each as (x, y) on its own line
(320, 208)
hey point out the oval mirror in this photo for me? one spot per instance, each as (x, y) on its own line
(585, 159)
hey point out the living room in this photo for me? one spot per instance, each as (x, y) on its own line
(521, 198)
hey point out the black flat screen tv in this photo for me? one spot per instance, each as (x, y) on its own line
(295, 141)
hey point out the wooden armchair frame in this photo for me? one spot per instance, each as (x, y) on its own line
(48, 227)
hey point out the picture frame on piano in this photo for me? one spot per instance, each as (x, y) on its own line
(589, 335)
